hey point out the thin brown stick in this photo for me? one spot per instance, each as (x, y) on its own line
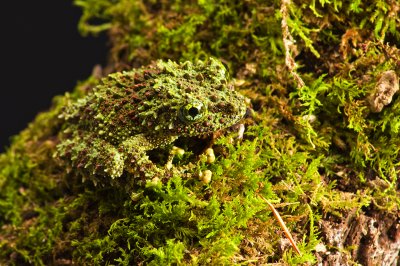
(288, 42)
(282, 224)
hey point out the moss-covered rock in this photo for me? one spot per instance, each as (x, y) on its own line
(320, 142)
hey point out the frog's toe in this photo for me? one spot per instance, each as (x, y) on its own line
(117, 166)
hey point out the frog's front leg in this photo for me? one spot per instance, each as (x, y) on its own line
(91, 155)
(134, 150)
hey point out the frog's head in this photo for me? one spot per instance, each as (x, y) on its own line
(191, 99)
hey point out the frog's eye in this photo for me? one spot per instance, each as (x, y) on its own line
(192, 112)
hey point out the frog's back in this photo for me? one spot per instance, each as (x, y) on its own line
(161, 99)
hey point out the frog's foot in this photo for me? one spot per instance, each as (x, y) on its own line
(174, 151)
(139, 164)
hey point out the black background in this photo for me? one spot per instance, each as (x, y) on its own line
(42, 55)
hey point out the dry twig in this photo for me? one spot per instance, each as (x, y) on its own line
(282, 224)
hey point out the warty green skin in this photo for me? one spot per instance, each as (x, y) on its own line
(109, 131)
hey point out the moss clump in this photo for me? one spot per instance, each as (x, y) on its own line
(321, 153)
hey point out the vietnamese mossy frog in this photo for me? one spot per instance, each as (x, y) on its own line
(109, 131)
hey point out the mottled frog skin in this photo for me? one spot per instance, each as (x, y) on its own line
(109, 131)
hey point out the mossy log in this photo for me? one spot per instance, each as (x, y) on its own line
(320, 142)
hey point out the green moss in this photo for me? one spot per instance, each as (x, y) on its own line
(318, 152)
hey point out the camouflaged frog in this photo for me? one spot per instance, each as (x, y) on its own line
(110, 130)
